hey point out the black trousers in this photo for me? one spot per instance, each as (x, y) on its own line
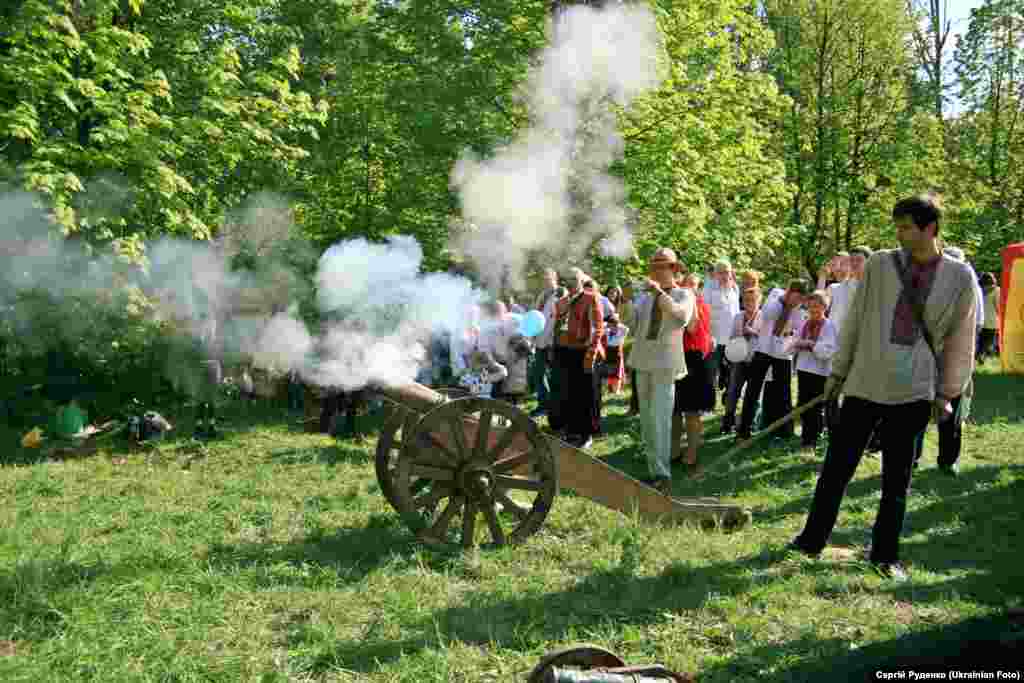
(899, 426)
(950, 438)
(721, 369)
(577, 401)
(558, 397)
(778, 398)
(598, 388)
(809, 387)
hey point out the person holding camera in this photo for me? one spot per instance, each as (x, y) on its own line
(658, 358)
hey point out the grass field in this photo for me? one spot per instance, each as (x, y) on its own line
(271, 555)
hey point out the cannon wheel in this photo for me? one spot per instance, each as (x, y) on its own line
(584, 656)
(398, 422)
(449, 458)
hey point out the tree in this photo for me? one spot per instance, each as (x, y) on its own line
(931, 33)
(843, 63)
(990, 141)
(699, 166)
(175, 102)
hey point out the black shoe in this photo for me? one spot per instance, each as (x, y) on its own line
(795, 547)
(727, 426)
(742, 436)
(892, 570)
(951, 470)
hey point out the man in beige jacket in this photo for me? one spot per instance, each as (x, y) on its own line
(889, 376)
(657, 356)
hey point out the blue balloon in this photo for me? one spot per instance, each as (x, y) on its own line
(533, 324)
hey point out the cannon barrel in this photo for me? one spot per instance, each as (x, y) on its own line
(414, 396)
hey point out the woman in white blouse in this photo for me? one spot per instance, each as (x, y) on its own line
(815, 342)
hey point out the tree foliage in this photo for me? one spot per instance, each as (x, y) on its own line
(783, 130)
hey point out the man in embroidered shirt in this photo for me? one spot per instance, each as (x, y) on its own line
(657, 356)
(890, 377)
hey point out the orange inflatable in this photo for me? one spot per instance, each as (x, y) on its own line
(1011, 329)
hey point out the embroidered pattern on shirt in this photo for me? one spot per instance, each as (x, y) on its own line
(905, 331)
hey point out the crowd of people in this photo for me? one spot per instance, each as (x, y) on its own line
(880, 344)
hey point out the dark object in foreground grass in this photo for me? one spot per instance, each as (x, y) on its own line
(586, 663)
(438, 460)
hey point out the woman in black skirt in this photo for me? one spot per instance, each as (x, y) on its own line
(695, 393)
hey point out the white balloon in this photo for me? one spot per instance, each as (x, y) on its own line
(737, 350)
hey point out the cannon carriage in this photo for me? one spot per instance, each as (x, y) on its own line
(470, 470)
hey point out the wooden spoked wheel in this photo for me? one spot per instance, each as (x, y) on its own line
(583, 657)
(456, 470)
(399, 421)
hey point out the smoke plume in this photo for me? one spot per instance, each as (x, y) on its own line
(550, 188)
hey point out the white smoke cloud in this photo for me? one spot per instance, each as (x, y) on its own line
(385, 312)
(550, 188)
(188, 282)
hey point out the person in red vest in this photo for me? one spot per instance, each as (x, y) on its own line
(579, 327)
(695, 393)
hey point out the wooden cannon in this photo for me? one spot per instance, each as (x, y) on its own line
(445, 463)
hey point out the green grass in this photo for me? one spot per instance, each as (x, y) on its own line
(272, 556)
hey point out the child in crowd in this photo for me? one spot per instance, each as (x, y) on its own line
(815, 342)
(516, 385)
(614, 360)
(744, 326)
(779, 319)
(483, 373)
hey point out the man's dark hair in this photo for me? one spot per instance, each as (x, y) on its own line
(922, 209)
(987, 281)
(863, 251)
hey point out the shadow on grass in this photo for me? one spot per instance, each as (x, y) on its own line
(616, 598)
(967, 535)
(351, 554)
(979, 644)
(356, 451)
